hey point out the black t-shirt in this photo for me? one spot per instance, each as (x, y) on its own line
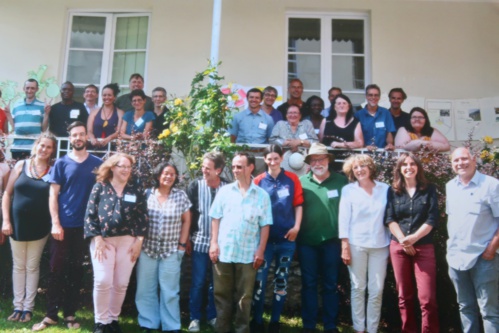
(62, 115)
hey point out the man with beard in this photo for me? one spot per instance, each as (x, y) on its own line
(376, 121)
(66, 111)
(397, 96)
(71, 179)
(319, 248)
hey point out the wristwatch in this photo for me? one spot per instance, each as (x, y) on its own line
(182, 244)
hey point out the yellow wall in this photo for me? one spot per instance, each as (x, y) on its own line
(434, 49)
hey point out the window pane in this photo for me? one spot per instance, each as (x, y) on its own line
(348, 36)
(131, 33)
(84, 66)
(348, 72)
(88, 32)
(307, 68)
(78, 94)
(304, 35)
(127, 63)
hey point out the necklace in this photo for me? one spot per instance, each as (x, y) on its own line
(106, 118)
(32, 170)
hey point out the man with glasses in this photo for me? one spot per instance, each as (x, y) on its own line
(376, 121)
(397, 96)
(160, 110)
(91, 95)
(241, 215)
(269, 97)
(295, 90)
(319, 248)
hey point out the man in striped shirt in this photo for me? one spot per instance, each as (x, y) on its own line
(201, 193)
(30, 118)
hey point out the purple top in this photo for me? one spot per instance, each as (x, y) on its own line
(102, 132)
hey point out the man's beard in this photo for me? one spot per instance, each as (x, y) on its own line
(78, 148)
(319, 171)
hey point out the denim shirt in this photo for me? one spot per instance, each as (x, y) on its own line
(411, 213)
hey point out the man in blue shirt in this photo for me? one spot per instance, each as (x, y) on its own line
(472, 207)
(376, 121)
(30, 118)
(252, 125)
(71, 179)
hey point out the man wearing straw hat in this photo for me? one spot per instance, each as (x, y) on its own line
(319, 248)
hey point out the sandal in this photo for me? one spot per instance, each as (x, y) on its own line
(71, 323)
(15, 315)
(46, 322)
(26, 316)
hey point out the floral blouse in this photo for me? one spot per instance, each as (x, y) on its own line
(108, 215)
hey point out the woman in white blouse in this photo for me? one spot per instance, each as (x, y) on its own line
(364, 239)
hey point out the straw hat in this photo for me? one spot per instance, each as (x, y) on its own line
(318, 149)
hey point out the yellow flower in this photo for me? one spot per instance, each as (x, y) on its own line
(174, 128)
(488, 140)
(178, 101)
(484, 155)
(179, 114)
(184, 122)
(164, 134)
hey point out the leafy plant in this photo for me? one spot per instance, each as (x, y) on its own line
(199, 122)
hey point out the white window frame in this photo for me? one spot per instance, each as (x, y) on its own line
(109, 38)
(326, 48)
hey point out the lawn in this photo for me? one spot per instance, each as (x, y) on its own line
(128, 321)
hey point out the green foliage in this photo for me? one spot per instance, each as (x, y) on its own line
(199, 122)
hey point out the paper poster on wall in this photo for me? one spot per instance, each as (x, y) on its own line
(441, 116)
(489, 108)
(468, 117)
(238, 97)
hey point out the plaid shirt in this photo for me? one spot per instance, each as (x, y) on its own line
(165, 223)
(240, 221)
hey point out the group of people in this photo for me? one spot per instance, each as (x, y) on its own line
(234, 231)
(130, 115)
(297, 123)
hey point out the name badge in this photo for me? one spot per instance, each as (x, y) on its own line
(139, 122)
(316, 131)
(262, 126)
(46, 178)
(303, 136)
(130, 198)
(282, 193)
(73, 114)
(380, 124)
(332, 194)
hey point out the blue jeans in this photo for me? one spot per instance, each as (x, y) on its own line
(283, 254)
(477, 290)
(201, 267)
(319, 261)
(165, 274)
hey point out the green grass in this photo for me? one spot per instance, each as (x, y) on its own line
(128, 322)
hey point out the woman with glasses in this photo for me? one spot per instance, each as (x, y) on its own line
(419, 133)
(138, 122)
(115, 222)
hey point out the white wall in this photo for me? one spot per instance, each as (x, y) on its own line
(433, 49)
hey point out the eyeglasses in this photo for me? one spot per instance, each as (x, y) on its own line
(270, 95)
(317, 160)
(134, 101)
(373, 95)
(124, 167)
(238, 167)
(418, 117)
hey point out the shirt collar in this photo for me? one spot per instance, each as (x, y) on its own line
(248, 111)
(474, 180)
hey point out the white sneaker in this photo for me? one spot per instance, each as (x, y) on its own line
(194, 326)
(212, 322)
